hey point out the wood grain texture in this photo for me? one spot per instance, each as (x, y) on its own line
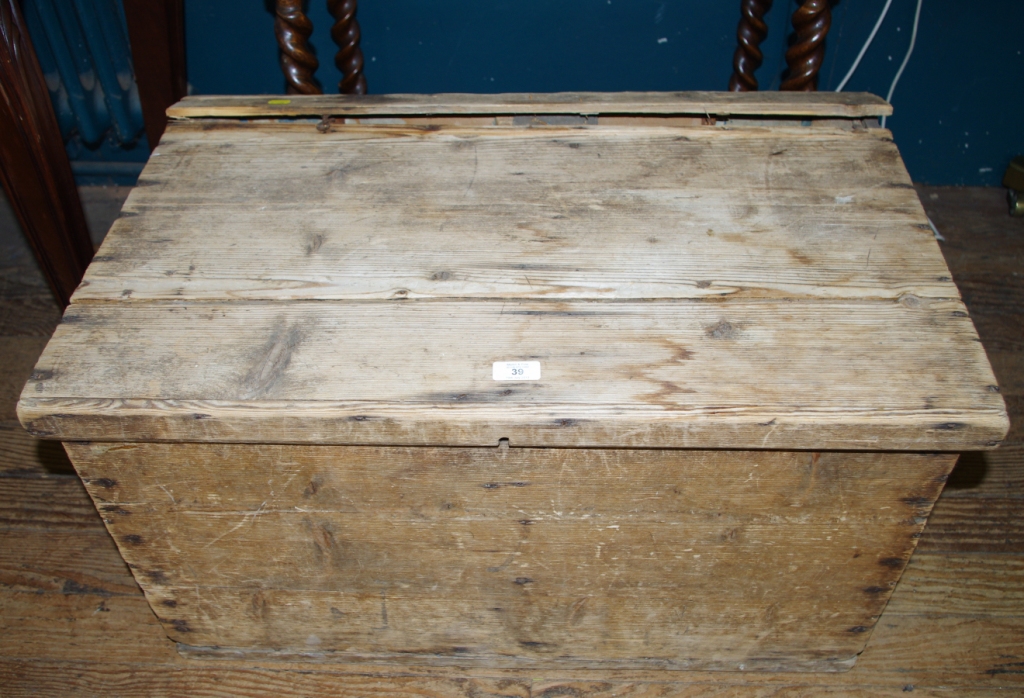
(507, 226)
(30, 315)
(1009, 364)
(32, 678)
(207, 363)
(70, 627)
(998, 473)
(932, 582)
(674, 374)
(517, 557)
(853, 105)
(44, 503)
(977, 525)
(958, 634)
(83, 561)
(19, 355)
(168, 680)
(553, 213)
(65, 640)
(22, 455)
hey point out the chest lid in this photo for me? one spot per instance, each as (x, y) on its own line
(694, 270)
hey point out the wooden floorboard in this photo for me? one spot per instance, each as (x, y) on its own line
(38, 503)
(32, 315)
(73, 622)
(24, 456)
(935, 584)
(19, 358)
(975, 524)
(998, 473)
(65, 561)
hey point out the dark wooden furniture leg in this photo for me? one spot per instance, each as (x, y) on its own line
(298, 63)
(349, 58)
(751, 32)
(811, 22)
(156, 29)
(34, 167)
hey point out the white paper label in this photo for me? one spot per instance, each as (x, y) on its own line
(516, 371)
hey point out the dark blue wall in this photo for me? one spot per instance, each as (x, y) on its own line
(959, 105)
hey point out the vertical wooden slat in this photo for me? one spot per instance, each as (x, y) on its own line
(751, 31)
(156, 29)
(811, 22)
(349, 58)
(34, 167)
(298, 63)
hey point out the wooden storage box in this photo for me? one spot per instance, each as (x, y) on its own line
(745, 375)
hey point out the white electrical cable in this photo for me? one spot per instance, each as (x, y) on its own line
(864, 48)
(910, 50)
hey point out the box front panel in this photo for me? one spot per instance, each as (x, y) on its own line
(677, 559)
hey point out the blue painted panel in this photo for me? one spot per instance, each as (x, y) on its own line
(83, 50)
(473, 46)
(959, 104)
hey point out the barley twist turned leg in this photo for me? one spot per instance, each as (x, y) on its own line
(751, 32)
(298, 63)
(349, 58)
(811, 22)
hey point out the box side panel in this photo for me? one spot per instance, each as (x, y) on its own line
(560, 557)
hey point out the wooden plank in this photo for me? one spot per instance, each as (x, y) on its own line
(1015, 404)
(33, 315)
(933, 654)
(724, 687)
(32, 678)
(983, 247)
(996, 301)
(603, 213)
(471, 484)
(974, 584)
(23, 455)
(450, 633)
(1010, 366)
(53, 678)
(20, 274)
(981, 240)
(69, 633)
(19, 356)
(664, 374)
(975, 525)
(81, 561)
(817, 104)
(998, 473)
(82, 627)
(911, 644)
(516, 557)
(979, 650)
(130, 679)
(50, 503)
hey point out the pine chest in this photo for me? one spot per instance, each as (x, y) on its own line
(578, 380)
